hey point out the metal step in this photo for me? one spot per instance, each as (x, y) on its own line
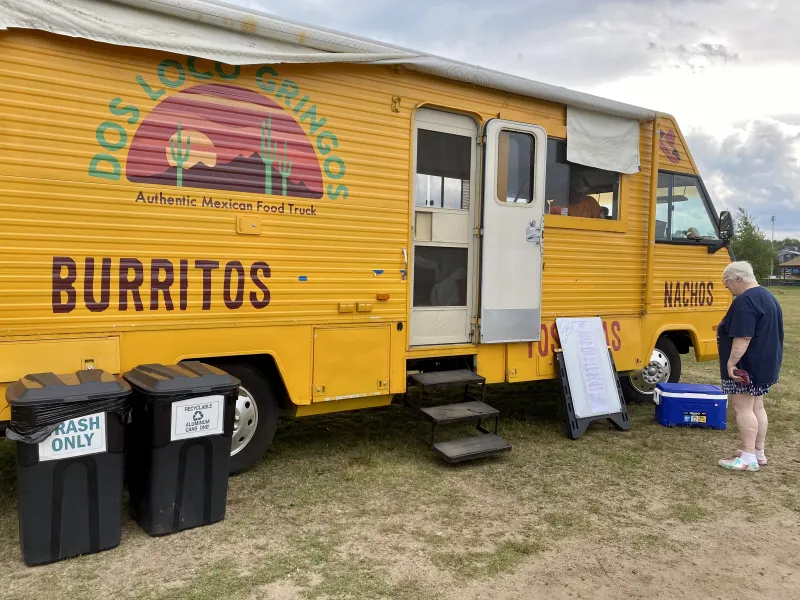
(470, 448)
(459, 413)
(446, 378)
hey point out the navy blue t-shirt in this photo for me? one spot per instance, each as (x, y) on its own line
(755, 314)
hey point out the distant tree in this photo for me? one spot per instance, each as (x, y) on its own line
(752, 245)
(787, 242)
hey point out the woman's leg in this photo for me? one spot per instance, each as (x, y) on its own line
(747, 421)
(763, 422)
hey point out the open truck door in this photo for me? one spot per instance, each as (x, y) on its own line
(513, 219)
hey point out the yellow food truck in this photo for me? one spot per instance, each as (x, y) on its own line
(321, 215)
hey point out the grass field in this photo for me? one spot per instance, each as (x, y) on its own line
(351, 506)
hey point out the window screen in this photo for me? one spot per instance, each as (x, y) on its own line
(443, 170)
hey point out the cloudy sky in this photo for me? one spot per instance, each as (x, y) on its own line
(729, 70)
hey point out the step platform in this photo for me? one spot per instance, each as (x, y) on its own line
(471, 448)
(437, 379)
(462, 412)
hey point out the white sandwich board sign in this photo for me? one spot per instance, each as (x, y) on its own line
(591, 390)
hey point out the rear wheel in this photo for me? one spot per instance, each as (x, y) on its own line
(255, 419)
(664, 366)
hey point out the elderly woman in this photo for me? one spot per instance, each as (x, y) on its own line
(750, 341)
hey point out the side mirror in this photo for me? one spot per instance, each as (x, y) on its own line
(725, 232)
(725, 225)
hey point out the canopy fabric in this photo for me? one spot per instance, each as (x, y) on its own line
(232, 35)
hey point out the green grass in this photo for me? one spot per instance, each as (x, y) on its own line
(351, 506)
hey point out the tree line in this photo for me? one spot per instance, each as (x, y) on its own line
(751, 244)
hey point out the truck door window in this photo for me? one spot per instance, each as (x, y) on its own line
(663, 206)
(576, 190)
(443, 166)
(683, 212)
(515, 165)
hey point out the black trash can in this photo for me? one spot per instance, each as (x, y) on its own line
(180, 445)
(70, 434)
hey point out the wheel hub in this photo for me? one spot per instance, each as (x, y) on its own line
(656, 371)
(245, 421)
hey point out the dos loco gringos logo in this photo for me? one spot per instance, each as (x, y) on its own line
(220, 136)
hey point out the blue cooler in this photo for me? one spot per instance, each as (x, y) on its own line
(691, 405)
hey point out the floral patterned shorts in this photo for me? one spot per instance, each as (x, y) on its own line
(729, 386)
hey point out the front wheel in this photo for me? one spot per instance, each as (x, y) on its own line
(255, 419)
(664, 367)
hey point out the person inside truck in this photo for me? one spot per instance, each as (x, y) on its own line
(581, 204)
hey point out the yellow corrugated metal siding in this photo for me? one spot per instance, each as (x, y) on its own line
(600, 272)
(54, 94)
(691, 270)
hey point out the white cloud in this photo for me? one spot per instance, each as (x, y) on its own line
(756, 167)
(715, 99)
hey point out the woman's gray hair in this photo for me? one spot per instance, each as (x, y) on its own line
(740, 269)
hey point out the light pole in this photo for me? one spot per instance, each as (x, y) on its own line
(772, 257)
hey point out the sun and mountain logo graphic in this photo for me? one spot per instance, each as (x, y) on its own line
(218, 136)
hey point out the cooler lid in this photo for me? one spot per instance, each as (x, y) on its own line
(191, 377)
(689, 388)
(83, 386)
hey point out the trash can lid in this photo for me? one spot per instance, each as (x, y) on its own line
(48, 388)
(190, 377)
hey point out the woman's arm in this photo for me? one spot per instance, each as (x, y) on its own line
(738, 349)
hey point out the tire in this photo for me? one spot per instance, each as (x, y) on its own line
(664, 366)
(257, 405)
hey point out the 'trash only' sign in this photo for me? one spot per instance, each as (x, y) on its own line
(75, 437)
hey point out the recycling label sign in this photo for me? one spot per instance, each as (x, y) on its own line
(197, 417)
(75, 437)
